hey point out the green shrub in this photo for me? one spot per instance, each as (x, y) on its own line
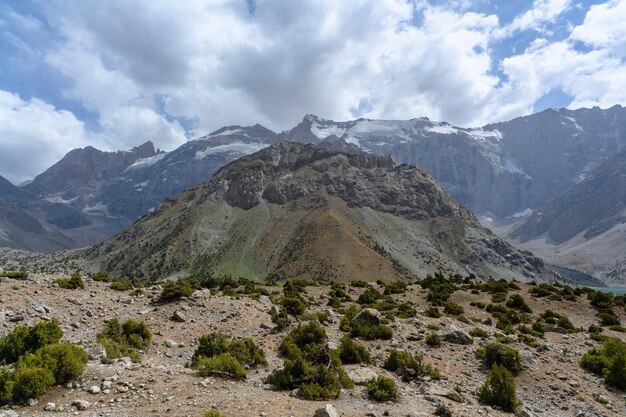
(174, 290)
(36, 372)
(121, 285)
(500, 355)
(100, 276)
(432, 312)
(498, 297)
(31, 383)
(409, 366)
(244, 350)
(382, 388)
(370, 296)
(478, 304)
(65, 360)
(556, 319)
(517, 302)
(24, 339)
(223, 364)
(499, 389)
(608, 362)
(72, 283)
(478, 333)
(14, 274)
(213, 413)
(442, 411)
(124, 339)
(352, 352)
(453, 309)
(358, 283)
(294, 305)
(608, 318)
(433, 340)
(397, 287)
(371, 332)
(309, 364)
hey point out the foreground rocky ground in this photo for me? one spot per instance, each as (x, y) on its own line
(552, 382)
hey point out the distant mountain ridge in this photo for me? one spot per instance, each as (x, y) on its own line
(500, 170)
(298, 210)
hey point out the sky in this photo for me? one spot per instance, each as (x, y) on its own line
(114, 74)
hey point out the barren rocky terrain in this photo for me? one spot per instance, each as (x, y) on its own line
(552, 383)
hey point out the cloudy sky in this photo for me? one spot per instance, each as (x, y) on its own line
(115, 73)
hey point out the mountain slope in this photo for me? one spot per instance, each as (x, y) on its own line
(295, 210)
(586, 225)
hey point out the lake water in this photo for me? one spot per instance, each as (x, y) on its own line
(614, 290)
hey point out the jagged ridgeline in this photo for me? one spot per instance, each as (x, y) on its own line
(297, 210)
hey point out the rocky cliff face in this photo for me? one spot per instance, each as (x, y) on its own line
(301, 210)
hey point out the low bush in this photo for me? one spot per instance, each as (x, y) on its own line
(517, 302)
(433, 340)
(294, 306)
(351, 352)
(36, 372)
(175, 290)
(478, 333)
(213, 413)
(608, 362)
(371, 332)
(223, 364)
(124, 339)
(72, 283)
(499, 389)
(382, 388)
(409, 366)
(310, 365)
(498, 354)
(453, 309)
(23, 339)
(14, 274)
(442, 411)
(121, 285)
(432, 312)
(100, 276)
(243, 350)
(557, 319)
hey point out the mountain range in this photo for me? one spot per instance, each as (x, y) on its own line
(502, 171)
(299, 210)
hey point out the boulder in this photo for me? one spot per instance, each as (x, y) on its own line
(179, 316)
(434, 389)
(368, 317)
(327, 411)
(453, 334)
(361, 374)
(81, 405)
(556, 329)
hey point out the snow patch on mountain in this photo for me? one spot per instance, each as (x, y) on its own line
(238, 147)
(443, 129)
(146, 162)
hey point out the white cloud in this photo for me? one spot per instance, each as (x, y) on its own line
(595, 77)
(140, 64)
(604, 27)
(34, 135)
(542, 12)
